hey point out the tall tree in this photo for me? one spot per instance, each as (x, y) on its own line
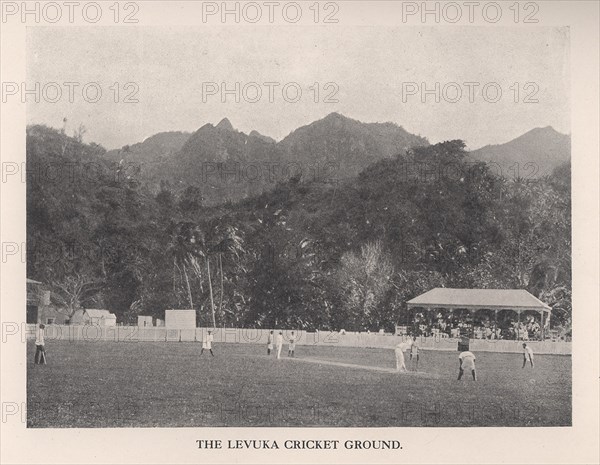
(363, 279)
(71, 292)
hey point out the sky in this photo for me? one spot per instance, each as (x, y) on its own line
(175, 78)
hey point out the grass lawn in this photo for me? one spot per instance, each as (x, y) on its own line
(144, 384)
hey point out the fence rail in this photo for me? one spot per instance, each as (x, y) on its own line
(95, 333)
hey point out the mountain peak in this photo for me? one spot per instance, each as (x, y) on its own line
(545, 130)
(258, 135)
(536, 153)
(537, 135)
(225, 124)
(335, 115)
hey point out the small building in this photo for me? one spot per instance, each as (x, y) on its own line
(53, 316)
(144, 321)
(180, 319)
(160, 322)
(91, 316)
(40, 308)
(38, 299)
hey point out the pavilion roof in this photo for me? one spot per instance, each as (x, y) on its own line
(497, 299)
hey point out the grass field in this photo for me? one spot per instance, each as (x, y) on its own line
(143, 384)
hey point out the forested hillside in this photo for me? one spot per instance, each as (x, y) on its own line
(311, 253)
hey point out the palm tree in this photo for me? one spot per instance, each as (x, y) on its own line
(231, 242)
(185, 245)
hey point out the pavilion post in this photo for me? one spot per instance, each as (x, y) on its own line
(429, 319)
(495, 324)
(472, 324)
(518, 324)
(542, 324)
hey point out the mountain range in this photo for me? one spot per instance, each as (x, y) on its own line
(227, 164)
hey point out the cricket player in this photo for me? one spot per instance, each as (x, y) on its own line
(292, 345)
(270, 343)
(400, 349)
(527, 354)
(415, 350)
(207, 343)
(466, 361)
(279, 343)
(40, 351)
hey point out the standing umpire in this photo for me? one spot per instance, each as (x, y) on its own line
(40, 352)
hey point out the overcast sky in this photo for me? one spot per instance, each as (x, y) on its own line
(369, 68)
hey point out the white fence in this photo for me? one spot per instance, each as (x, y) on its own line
(93, 333)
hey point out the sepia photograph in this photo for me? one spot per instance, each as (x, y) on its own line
(364, 263)
(258, 215)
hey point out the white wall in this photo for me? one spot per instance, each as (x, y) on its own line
(180, 319)
(144, 319)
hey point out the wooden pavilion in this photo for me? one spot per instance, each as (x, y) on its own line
(474, 300)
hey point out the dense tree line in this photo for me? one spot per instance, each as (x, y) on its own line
(309, 253)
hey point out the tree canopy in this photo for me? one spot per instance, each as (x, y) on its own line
(321, 253)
